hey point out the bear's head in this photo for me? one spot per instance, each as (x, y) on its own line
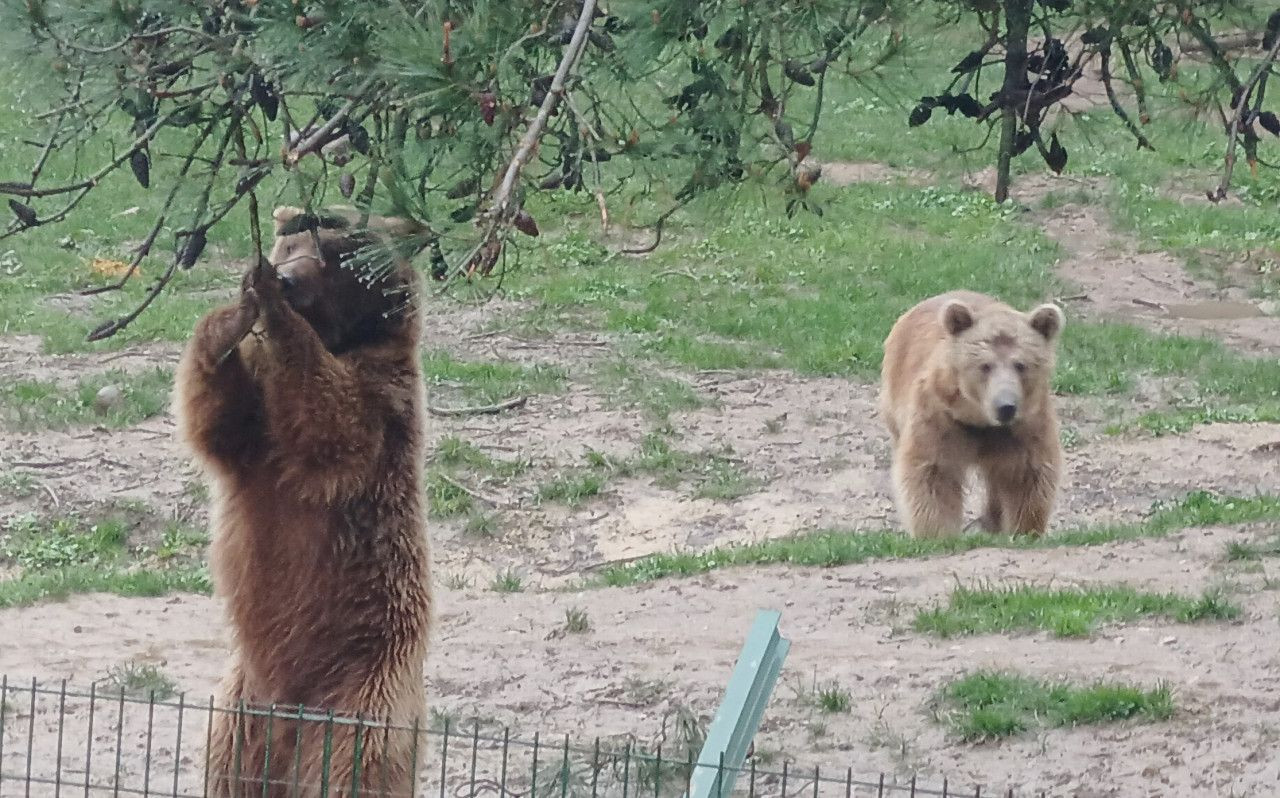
(352, 286)
(1003, 360)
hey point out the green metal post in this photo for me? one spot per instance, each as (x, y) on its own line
(738, 717)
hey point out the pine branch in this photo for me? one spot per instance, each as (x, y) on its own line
(572, 52)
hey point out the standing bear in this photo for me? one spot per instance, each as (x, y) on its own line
(965, 385)
(303, 402)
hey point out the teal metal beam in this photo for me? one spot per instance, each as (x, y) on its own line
(738, 717)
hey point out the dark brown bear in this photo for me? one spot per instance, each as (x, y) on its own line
(303, 401)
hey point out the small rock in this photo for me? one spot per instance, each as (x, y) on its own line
(76, 629)
(1168, 641)
(108, 398)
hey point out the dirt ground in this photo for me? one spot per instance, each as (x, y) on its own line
(820, 456)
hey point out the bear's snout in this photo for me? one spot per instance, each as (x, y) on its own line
(1005, 406)
(1006, 412)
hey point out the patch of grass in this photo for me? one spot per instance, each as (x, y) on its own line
(446, 499)
(454, 452)
(572, 487)
(508, 582)
(482, 525)
(714, 475)
(1237, 551)
(487, 381)
(1064, 612)
(832, 698)
(35, 403)
(988, 705)
(1180, 420)
(576, 621)
(457, 582)
(140, 680)
(832, 548)
(626, 384)
(39, 586)
(17, 484)
(178, 539)
(40, 544)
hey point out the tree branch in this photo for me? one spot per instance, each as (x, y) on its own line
(501, 203)
(1242, 102)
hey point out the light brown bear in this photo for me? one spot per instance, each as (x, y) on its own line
(303, 401)
(965, 385)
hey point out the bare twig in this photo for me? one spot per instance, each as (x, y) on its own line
(657, 230)
(502, 197)
(482, 410)
(321, 136)
(1116, 107)
(1237, 114)
(473, 493)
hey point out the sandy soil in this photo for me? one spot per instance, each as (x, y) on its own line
(638, 664)
(820, 458)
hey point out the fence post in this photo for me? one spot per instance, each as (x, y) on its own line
(738, 716)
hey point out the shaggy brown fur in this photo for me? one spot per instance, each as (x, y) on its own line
(303, 402)
(965, 384)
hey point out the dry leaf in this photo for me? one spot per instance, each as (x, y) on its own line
(110, 268)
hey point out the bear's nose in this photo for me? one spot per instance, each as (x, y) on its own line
(1005, 411)
(287, 281)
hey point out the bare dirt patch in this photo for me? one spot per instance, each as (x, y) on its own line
(638, 664)
(847, 173)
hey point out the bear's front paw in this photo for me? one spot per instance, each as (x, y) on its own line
(221, 332)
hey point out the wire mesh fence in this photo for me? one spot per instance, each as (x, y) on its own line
(58, 741)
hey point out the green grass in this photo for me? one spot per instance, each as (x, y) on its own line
(572, 487)
(1065, 612)
(507, 582)
(576, 621)
(482, 525)
(832, 699)
(1236, 551)
(624, 383)
(18, 484)
(713, 474)
(454, 452)
(1177, 421)
(445, 499)
(51, 585)
(832, 548)
(40, 544)
(37, 403)
(140, 680)
(988, 705)
(489, 382)
(178, 539)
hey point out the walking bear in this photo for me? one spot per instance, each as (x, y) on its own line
(965, 385)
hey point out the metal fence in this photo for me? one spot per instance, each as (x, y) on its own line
(58, 741)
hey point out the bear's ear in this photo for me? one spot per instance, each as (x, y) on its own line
(956, 317)
(285, 214)
(1048, 320)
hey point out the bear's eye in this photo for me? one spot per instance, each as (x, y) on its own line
(986, 368)
(1020, 366)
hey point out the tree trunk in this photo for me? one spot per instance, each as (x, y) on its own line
(1017, 24)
